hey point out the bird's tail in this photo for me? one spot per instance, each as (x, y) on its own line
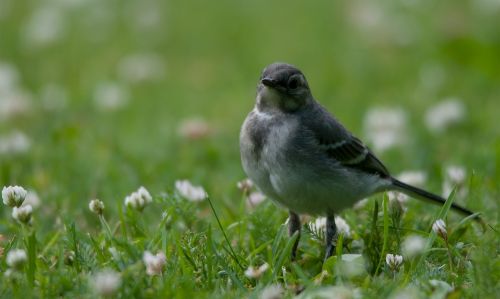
(422, 194)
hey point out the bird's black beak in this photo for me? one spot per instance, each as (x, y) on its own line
(269, 82)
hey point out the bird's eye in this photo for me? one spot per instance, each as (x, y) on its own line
(293, 83)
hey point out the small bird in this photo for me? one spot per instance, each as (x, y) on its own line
(302, 158)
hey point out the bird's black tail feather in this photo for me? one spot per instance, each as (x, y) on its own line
(422, 194)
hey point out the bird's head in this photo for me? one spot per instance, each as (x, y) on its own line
(282, 86)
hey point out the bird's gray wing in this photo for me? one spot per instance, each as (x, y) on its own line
(340, 145)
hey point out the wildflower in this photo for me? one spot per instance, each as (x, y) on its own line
(194, 129)
(413, 245)
(14, 196)
(9, 76)
(394, 261)
(96, 206)
(8, 273)
(273, 291)
(413, 177)
(245, 185)
(138, 200)
(455, 177)
(190, 192)
(110, 96)
(385, 127)
(16, 258)
(255, 198)
(439, 285)
(397, 196)
(14, 143)
(396, 202)
(32, 199)
(439, 227)
(14, 102)
(23, 213)
(141, 67)
(444, 114)
(319, 226)
(144, 193)
(106, 283)
(342, 227)
(154, 263)
(46, 26)
(256, 272)
(456, 174)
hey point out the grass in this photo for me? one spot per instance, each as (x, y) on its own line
(206, 59)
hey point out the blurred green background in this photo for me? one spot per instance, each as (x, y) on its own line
(95, 91)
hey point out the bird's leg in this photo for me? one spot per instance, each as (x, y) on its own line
(331, 232)
(294, 226)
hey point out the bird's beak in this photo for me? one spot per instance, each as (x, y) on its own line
(269, 82)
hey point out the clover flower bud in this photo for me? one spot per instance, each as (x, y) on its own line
(14, 196)
(439, 227)
(96, 206)
(23, 213)
(394, 261)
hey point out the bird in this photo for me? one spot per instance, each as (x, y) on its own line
(302, 158)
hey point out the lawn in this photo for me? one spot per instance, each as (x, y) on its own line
(99, 98)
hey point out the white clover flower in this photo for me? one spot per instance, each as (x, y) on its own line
(245, 185)
(22, 213)
(138, 200)
(106, 283)
(413, 177)
(439, 227)
(194, 129)
(385, 127)
(14, 143)
(8, 273)
(110, 96)
(14, 102)
(190, 192)
(413, 245)
(256, 272)
(32, 199)
(14, 196)
(16, 258)
(255, 198)
(400, 197)
(273, 291)
(141, 67)
(342, 227)
(394, 261)
(444, 114)
(45, 26)
(455, 176)
(96, 206)
(154, 263)
(9, 76)
(144, 193)
(319, 226)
